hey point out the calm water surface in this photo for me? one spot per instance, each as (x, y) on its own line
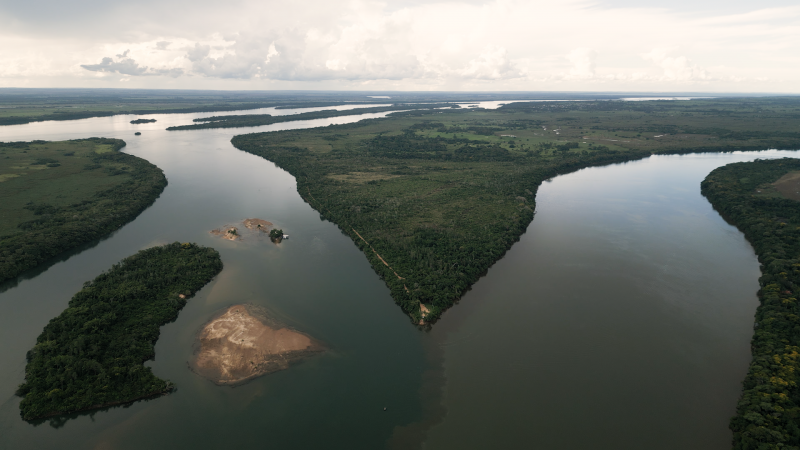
(621, 320)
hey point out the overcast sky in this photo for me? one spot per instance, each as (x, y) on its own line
(618, 45)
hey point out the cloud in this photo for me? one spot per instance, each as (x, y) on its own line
(198, 52)
(127, 66)
(123, 65)
(676, 68)
(400, 44)
(492, 64)
(583, 63)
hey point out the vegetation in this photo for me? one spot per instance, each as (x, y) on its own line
(768, 414)
(55, 196)
(434, 198)
(276, 235)
(92, 354)
(254, 120)
(138, 121)
(18, 106)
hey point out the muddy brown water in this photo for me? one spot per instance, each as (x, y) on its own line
(621, 320)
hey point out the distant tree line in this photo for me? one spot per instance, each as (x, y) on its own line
(254, 120)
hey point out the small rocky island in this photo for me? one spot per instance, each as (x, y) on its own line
(229, 233)
(253, 228)
(244, 342)
(138, 121)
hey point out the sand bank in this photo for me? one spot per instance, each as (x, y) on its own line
(244, 342)
(253, 228)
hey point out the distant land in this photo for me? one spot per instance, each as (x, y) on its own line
(24, 105)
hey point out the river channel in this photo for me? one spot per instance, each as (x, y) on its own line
(621, 320)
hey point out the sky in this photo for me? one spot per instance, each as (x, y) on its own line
(471, 45)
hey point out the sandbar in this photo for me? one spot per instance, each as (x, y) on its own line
(244, 342)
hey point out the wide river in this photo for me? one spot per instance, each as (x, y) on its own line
(621, 320)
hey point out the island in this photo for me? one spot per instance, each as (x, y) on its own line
(55, 196)
(229, 233)
(761, 199)
(254, 120)
(91, 356)
(244, 342)
(435, 197)
(252, 227)
(138, 121)
(276, 235)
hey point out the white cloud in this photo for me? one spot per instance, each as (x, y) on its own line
(490, 44)
(583, 63)
(676, 68)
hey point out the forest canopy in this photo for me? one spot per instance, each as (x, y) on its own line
(92, 354)
(748, 195)
(435, 197)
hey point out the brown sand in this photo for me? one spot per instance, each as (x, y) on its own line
(230, 233)
(423, 312)
(789, 185)
(244, 342)
(258, 224)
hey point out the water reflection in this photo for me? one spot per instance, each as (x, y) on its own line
(621, 319)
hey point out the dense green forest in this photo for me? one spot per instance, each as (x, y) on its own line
(768, 413)
(434, 198)
(92, 354)
(55, 196)
(254, 120)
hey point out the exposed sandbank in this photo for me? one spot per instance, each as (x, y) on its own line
(252, 228)
(244, 342)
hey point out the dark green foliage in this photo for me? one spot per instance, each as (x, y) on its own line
(431, 214)
(92, 354)
(768, 414)
(138, 121)
(58, 229)
(275, 233)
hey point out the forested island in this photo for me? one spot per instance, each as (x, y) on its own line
(749, 195)
(55, 196)
(25, 105)
(434, 197)
(138, 121)
(91, 355)
(254, 120)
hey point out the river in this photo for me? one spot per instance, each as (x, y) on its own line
(621, 320)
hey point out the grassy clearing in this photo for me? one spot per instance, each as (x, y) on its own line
(57, 195)
(25, 181)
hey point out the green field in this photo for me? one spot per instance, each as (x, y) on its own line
(434, 198)
(57, 195)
